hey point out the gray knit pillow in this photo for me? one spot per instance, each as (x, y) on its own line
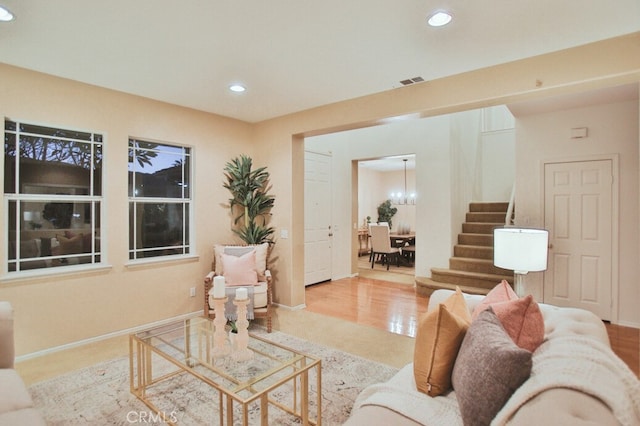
(488, 370)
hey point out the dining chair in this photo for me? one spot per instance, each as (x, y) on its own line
(381, 246)
(369, 230)
(409, 253)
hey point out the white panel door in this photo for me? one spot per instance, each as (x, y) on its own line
(317, 218)
(578, 214)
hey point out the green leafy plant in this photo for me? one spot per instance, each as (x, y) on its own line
(250, 202)
(386, 212)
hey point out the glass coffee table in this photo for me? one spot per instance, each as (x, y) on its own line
(276, 376)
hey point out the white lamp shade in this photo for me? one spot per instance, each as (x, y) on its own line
(521, 250)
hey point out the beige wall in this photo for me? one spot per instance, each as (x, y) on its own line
(59, 310)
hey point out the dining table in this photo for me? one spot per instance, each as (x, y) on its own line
(406, 243)
(400, 240)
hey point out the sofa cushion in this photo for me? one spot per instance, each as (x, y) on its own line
(240, 270)
(28, 249)
(488, 369)
(86, 240)
(522, 320)
(13, 393)
(72, 245)
(500, 293)
(23, 417)
(438, 339)
(562, 406)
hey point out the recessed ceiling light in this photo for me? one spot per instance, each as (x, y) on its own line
(440, 18)
(238, 88)
(6, 15)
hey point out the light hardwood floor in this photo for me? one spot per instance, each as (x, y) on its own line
(396, 307)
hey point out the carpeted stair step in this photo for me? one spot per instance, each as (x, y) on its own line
(475, 239)
(485, 217)
(470, 264)
(489, 207)
(478, 252)
(468, 279)
(480, 227)
(426, 286)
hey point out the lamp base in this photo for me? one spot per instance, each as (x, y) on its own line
(518, 283)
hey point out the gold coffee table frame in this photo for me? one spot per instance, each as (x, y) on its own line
(188, 345)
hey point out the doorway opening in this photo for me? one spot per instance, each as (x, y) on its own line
(387, 185)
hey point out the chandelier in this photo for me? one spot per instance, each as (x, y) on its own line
(403, 198)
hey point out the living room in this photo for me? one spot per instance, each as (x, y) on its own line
(60, 309)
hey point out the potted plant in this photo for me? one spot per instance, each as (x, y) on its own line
(386, 212)
(250, 202)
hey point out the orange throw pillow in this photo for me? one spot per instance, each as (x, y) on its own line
(522, 320)
(500, 293)
(438, 339)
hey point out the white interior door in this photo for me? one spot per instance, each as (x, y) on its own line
(317, 218)
(578, 214)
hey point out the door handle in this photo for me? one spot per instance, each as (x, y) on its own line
(331, 234)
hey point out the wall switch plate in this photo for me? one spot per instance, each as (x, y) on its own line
(284, 234)
(192, 292)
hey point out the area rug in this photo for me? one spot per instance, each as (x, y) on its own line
(100, 394)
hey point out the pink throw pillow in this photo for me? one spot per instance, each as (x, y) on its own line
(522, 320)
(500, 293)
(240, 270)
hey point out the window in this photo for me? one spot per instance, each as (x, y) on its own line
(159, 199)
(52, 195)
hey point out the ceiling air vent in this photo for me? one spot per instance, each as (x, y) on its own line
(411, 81)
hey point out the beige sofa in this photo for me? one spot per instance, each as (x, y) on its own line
(16, 406)
(589, 385)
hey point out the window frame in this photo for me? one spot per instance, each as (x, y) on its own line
(95, 204)
(136, 255)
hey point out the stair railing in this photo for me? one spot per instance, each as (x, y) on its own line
(508, 220)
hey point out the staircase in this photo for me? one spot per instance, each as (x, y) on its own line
(471, 267)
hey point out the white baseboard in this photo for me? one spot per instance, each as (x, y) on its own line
(105, 336)
(290, 308)
(628, 324)
(341, 276)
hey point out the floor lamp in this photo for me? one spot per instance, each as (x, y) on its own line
(522, 250)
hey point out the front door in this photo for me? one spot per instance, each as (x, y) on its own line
(578, 213)
(317, 218)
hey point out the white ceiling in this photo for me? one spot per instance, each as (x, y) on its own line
(291, 54)
(389, 164)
